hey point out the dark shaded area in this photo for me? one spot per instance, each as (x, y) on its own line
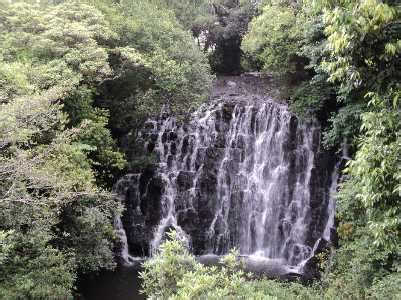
(226, 35)
(121, 284)
(226, 59)
(141, 194)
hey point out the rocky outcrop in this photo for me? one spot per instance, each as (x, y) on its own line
(243, 172)
(140, 194)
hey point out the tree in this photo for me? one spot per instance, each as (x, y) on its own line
(57, 153)
(352, 51)
(364, 42)
(50, 204)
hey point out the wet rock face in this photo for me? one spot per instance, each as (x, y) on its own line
(241, 173)
(140, 194)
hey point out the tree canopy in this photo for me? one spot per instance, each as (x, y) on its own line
(79, 78)
(67, 95)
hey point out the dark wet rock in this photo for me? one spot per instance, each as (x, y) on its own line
(268, 267)
(310, 269)
(227, 111)
(209, 259)
(172, 136)
(198, 198)
(141, 196)
(256, 265)
(185, 180)
(150, 126)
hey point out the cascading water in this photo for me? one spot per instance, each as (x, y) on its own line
(122, 236)
(174, 159)
(120, 188)
(244, 173)
(275, 214)
(331, 208)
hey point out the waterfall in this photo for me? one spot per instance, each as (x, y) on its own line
(243, 172)
(274, 215)
(331, 207)
(120, 188)
(122, 237)
(173, 160)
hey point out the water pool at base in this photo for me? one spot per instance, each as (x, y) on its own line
(120, 284)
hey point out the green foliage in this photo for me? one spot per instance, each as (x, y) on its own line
(44, 173)
(85, 228)
(352, 50)
(61, 89)
(46, 273)
(311, 98)
(55, 221)
(366, 69)
(192, 14)
(5, 245)
(287, 40)
(345, 125)
(225, 32)
(175, 274)
(155, 61)
(364, 45)
(104, 157)
(40, 182)
(217, 26)
(70, 62)
(387, 287)
(162, 272)
(275, 38)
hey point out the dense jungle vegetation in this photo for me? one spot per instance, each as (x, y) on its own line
(78, 78)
